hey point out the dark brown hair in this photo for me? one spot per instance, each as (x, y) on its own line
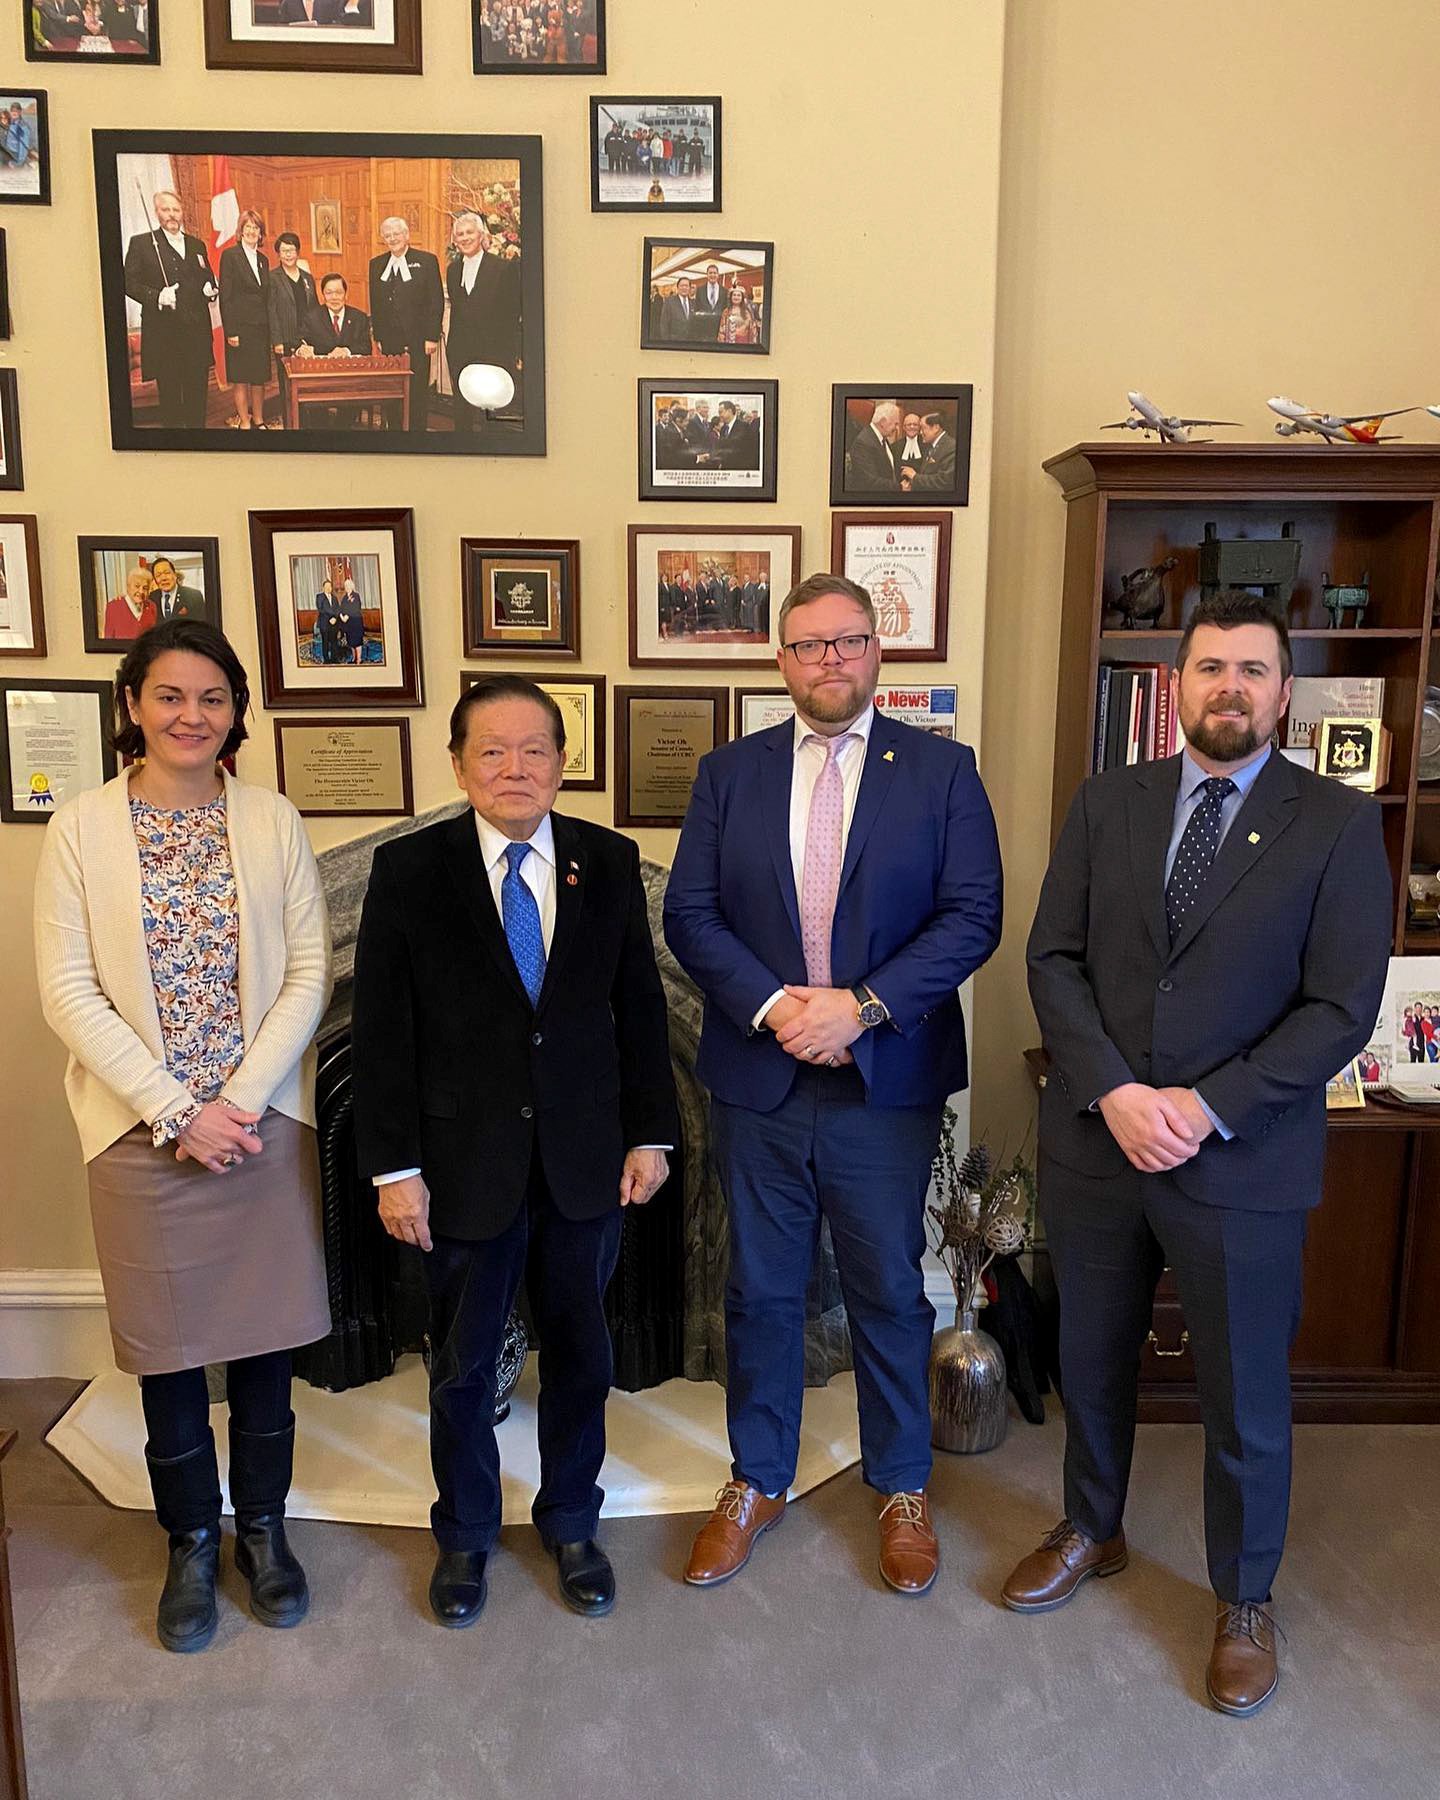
(1229, 608)
(816, 587)
(200, 638)
(502, 687)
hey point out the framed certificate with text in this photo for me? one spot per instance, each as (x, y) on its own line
(660, 735)
(345, 768)
(756, 709)
(902, 560)
(54, 743)
(581, 699)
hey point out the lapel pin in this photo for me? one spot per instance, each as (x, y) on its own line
(889, 756)
(1254, 837)
(572, 881)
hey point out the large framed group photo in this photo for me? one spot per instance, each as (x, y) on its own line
(306, 291)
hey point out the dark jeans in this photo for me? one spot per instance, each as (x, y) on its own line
(566, 1265)
(177, 1406)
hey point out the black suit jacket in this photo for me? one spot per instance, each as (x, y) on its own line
(456, 1074)
(707, 317)
(870, 469)
(485, 323)
(1273, 985)
(938, 469)
(244, 305)
(169, 333)
(406, 315)
(677, 321)
(354, 335)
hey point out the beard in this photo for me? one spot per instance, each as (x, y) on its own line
(1224, 740)
(836, 705)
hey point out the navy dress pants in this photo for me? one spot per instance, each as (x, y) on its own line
(1239, 1276)
(824, 1152)
(566, 1265)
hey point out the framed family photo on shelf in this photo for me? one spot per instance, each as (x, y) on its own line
(519, 595)
(22, 609)
(902, 560)
(54, 743)
(337, 607)
(12, 471)
(660, 735)
(338, 37)
(703, 597)
(707, 440)
(581, 699)
(129, 583)
(900, 446)
(654, 151)
(538, 37)
(24, 147)
(705, 296)
(92, 32)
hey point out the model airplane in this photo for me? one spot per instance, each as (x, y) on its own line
(1146, 416)
(1364, 428)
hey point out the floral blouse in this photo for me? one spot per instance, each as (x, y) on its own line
(192, 933)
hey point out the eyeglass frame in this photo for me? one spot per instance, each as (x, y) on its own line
(867, 638)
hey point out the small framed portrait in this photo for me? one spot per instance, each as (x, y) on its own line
(757, 709)
(12, 471)
(902, 560)
(4, 288)
(128, 584)
(654, 151)
(22, 611)
(538, 37)
(337, 605)
(1343, 1091)
(346, 768)
(710, 440)
(24, 147)
(700, 597)
(660, 735)
(92, 31)
(705, 296)
(54, 743)
(581, 699)
(326, 227)
(355, 37)
(519, 595)
(900, 446)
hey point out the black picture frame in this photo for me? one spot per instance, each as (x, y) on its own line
(148, 546)
(518, 430)
(321, 52)
(610, 105)
(537, 67)
(658, 328)
(104, 693)
(657, 482)
(927, 395)
(556, 564)
(37, 52)
(41, 97)
(12, 465)
(5, 321)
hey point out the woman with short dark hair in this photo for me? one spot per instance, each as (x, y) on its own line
(184, 960)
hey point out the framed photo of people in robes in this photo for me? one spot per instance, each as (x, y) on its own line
(339, 37)
(538, 37)
(92, 32)
(702, 596)
(308, 291)
(905, 445)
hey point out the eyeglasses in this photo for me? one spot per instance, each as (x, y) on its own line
(812, 650)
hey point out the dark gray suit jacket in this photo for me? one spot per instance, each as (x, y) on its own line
(1273, 985)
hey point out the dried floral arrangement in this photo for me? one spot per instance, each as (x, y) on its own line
(984, 1211)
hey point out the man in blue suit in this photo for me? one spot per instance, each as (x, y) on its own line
(837, 879)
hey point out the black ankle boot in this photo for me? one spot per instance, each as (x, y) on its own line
(187, 1504)
(260, 1468)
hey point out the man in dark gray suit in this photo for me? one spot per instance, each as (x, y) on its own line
(677, 314)
(870, 466)
(1210, 947)
(937, 471)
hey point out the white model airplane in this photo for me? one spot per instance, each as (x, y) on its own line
(1364, 428)
(1146, 416)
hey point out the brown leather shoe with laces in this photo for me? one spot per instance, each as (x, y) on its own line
(909, 1548)
(723, 1544)
(1243, 1671)
(1049, 1576)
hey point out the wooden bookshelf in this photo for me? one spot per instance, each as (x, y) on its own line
(1369, 1341)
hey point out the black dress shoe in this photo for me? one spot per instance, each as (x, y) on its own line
(587, 1582)
(457, 1588)
(186, 1618)
(279, 1595)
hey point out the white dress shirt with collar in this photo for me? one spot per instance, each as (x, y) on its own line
(397, 268)
(470, 270)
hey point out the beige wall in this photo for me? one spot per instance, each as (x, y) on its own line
(1212, 201)
(884, 270)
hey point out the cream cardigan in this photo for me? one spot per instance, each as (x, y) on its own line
(95, 985)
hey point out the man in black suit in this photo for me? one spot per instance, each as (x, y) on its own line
(1210, 947)
(513, 1093)
(407, 303)
(677, 314)
(699, 432)
(870, 466)
(710, 302)
(937, 472)
(168, 276)
(335, 328)
(485, 324)
(173, 600)
(671, 451)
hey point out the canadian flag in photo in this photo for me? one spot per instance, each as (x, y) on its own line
(224, 220)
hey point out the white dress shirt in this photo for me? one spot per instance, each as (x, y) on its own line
(398, 267)
(470, 270)
(252, 256)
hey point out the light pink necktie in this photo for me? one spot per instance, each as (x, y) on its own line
(820, 882)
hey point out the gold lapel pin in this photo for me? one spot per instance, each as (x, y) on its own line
(889, 756)
(1254, 837)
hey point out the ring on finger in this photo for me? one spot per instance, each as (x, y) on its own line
(831, 1061)
(809, 1049)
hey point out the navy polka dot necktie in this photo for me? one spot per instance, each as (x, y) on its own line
(1196, 853)
(522, 922)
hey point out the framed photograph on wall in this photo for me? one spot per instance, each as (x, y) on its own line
(906, 445)
(327, 215)
(902, 560)
(54, 743)
(4, 288)
(581, 699)
(12, 470)
(22, 610)
(346, 768)
(656, 150)
(757, 709)
(92, 32)
(538, 37)
(660, 735)
(707, 440)
(702, 597)
(519, 595)
(24, 147)
(699, 295)
(337, 606)
(343, 37)
(128, 584)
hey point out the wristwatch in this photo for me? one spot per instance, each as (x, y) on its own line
(872, 1011)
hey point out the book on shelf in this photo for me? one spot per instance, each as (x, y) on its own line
(1134, 720)
(1317, 697)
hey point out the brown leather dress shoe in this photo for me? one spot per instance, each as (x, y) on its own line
(723, 1544)
(1049, 1576)
(1243, 1672)
(909, 1548)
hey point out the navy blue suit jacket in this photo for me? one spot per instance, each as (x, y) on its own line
(918, 910)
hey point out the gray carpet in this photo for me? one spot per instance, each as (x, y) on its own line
(804, 1677)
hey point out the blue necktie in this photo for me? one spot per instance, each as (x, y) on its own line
(1197, 849)
(522, 923)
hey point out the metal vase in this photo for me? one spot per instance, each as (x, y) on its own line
(968, 1407)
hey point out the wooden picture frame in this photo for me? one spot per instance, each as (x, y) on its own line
(582, 65)
(5, 320)
(671, 260)
(22, 606)
(12, 463)
(626, 113)
(696, 624)
(545, 586)
(726, 464)
(14, 192)
(582, 699)
(878, 480)
(322, 779)
(328, 54)
(754, 708)
(372, 547)
(98, 752)
(121, 51)
(902, 560)
(676, 713)
(103, 570)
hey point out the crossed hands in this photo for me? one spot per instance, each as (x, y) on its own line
(1157, 1128)
(219, 1136)
(815, 1025)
